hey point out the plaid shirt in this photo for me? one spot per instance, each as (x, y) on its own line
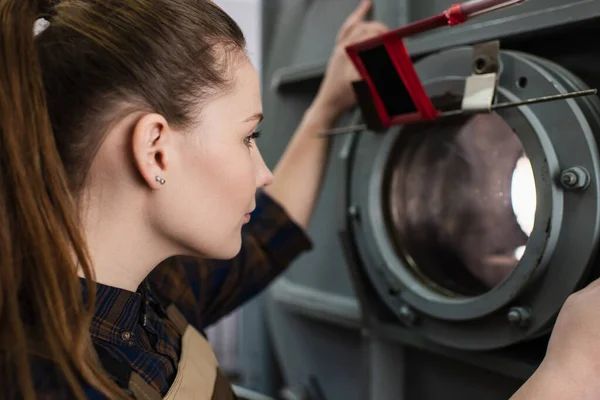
(131, 327)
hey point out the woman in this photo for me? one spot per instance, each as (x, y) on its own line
(139, 115)
(127, 137)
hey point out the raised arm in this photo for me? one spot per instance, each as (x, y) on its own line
(299, 171)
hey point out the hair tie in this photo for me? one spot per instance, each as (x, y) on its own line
(46, 9)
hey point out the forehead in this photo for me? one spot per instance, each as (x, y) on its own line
(241, 100)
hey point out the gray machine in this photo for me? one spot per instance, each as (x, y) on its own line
(443, 251)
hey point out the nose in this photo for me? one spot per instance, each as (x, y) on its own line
(264, 177)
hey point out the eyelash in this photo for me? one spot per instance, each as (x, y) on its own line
(248, 139)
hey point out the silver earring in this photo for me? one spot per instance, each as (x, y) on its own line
(160, 180)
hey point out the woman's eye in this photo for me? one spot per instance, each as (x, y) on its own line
(250, 138)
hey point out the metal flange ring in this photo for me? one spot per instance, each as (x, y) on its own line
(554, 136)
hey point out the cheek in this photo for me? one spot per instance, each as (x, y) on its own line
(202, 207)
(224, 178)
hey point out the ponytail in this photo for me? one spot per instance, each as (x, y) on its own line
(41, 307)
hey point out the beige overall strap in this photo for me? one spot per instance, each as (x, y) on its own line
(197, 369)
(223, 389)
(137, 385)
(141, 389)
(177, 318)
(198, 375)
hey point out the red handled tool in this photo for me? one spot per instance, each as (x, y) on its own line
(390, 92)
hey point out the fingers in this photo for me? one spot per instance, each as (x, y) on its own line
(355, 17)
(379, 26)
(364, 31)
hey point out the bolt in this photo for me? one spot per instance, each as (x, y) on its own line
(575, 178)
(483, 64)
(519, 317)
(480, 64)
(407, 315)
(353, 212)
(569, 179)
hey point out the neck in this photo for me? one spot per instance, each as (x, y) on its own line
(123, 249)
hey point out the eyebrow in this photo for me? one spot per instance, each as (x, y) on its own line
(258, 116)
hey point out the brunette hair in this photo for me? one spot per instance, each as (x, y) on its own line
(60, 91)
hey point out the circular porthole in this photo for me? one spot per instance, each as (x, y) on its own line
(460, 202)
(466, 219)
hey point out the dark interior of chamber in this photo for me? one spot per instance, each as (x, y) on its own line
(447, 200)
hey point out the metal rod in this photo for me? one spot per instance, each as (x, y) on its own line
(343, 130)
(362, 127)
(476, 8)
(544, 99)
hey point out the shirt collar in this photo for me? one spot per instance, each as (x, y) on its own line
(117, 312)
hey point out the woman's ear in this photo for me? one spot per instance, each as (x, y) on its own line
(152, 146)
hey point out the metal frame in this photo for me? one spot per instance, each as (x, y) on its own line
(419, 296)
(316, 304)
(482, 322)
(513, 26)
(379, 322)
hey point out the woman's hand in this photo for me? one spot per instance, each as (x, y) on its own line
(571, 368)
(336, 95)
(574, 345)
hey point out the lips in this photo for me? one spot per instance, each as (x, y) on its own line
(247, 215)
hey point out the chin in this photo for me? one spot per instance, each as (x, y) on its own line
(227, 250)
(220, 248)
(232, 253)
